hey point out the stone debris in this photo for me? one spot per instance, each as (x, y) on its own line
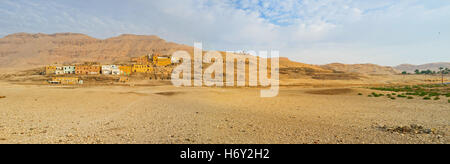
(409, 129)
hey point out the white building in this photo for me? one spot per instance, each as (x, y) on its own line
(110, 69)
(69, 69)
(59, 71)
(106, 69)
(115, 70)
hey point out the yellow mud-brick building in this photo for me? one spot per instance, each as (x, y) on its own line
(138, 68)
(50, 70)
(125, 70)
(143, 60)
(88, 69)
(65, 80)
(162, 61)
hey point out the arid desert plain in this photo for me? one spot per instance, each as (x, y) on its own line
(162, 113)
(192, 72)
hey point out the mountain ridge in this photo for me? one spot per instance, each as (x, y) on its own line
(39, 49)
(367, 68)
(28, 50)
(431, 66)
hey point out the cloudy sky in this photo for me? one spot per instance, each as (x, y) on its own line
(384, 32)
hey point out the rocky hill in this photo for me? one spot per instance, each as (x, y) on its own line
(31, 50)
(368, 69)
(431, 66)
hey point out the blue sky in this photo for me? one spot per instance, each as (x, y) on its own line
(384, 32)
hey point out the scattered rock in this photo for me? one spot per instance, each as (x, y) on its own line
(411, 129)
(2, 97)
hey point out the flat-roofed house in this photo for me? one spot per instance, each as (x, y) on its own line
(163, 61)
(50, 70)
(106, 69)
(115, 70)
(138, 68)
(65, 80)
(59, 71)
(143, 60)
(88, 69)
(69, 69)
(125, 70)
(110, 69)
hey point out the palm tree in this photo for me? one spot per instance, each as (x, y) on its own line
(417, 71)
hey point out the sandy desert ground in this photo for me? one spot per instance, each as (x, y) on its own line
(165, 114)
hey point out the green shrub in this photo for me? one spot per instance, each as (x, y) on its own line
(401, 96)
(426, 91)
(432, 94)
(422, 94)
(375, 94)
(360, 94)
(407, 88)
(437, 98)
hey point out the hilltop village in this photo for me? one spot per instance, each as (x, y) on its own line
(146, 64)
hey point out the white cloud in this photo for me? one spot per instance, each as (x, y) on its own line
(52, 17)
(313, 31)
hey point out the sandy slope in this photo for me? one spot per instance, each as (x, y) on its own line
(164, 114)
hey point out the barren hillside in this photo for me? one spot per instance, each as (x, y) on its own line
(431, 66)
(25, 51)
(369, 69)
(31, 50)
